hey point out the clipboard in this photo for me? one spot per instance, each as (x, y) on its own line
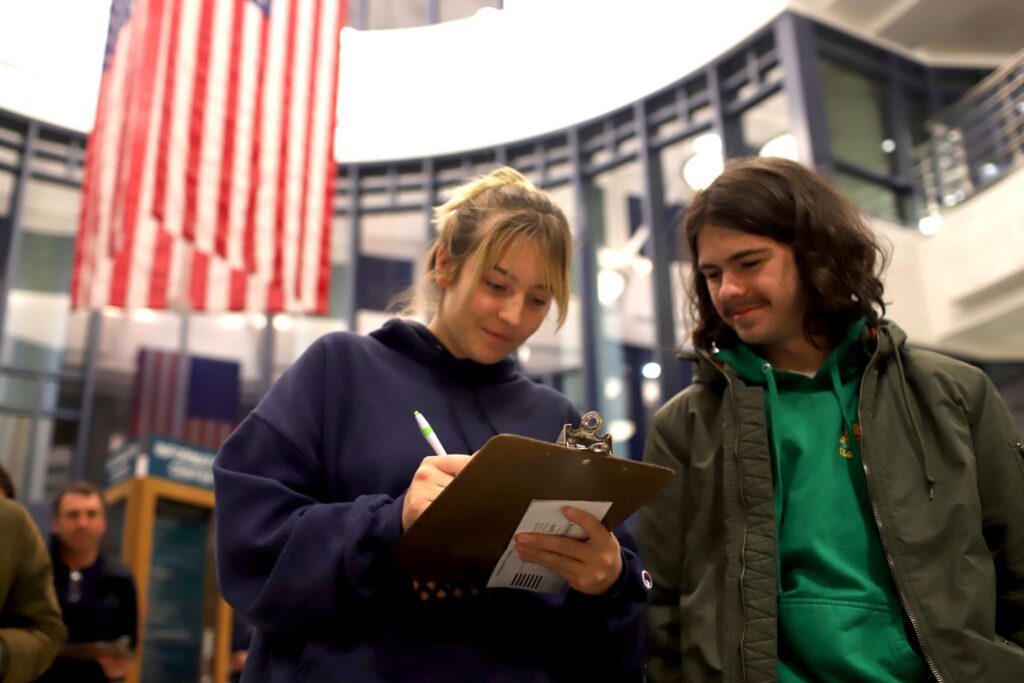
(463, 533)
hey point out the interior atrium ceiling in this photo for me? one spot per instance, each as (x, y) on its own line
(979, 31)
(938, 31)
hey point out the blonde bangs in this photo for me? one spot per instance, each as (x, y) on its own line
(510, 233)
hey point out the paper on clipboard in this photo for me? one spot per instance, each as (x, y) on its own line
(542, 517)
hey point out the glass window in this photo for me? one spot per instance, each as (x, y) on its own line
(49, 222)
(9, 156)
(768, 122)
(6, 190)
(554, 355)
(340, 259)
(673, 159)
(33, 335)
(461, 9)
(678, 195)
(391, 248)
(854, 105)
(43, 263)
(51, 208)
(396, 235)
(24, 392)
(11, 132)
(873, 199)
(918, 111)
(626, 333)
(28, 456)
(336, 297)
(385, 14)
(233, 337)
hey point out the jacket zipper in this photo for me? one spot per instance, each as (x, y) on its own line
(743, 542)
(743, 603)
(881, 533)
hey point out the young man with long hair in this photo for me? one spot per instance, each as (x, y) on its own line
(848, 508)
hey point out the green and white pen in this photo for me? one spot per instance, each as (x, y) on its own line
(428, 434)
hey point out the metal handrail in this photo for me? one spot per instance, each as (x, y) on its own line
(974, 142)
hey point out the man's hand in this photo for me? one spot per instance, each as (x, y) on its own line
(591, 566)
(238, 658)
(115, 667)
(434, 473)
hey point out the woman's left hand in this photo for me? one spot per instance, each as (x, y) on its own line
(591, 566)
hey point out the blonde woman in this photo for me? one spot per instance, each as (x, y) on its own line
(321, 480)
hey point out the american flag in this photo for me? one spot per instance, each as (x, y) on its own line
(208, 174)
(211, 398)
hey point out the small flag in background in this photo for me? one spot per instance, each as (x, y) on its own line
(209, 172)
(211, 396)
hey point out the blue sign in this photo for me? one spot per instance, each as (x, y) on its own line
(122, 462)
(180, 461)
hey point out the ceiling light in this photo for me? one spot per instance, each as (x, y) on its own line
(524, 354)
(621, 430)
(651, 370)
(612, 388)
(231, 321)
(145, 316)
(709, 143)
(929, 225)
(610, 286)
(650, 392)
(783, 146)
(702, 169)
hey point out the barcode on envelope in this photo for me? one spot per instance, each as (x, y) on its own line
(526, 580)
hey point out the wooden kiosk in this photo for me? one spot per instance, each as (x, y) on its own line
(163, 531)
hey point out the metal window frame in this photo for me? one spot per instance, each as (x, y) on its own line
(713, 97)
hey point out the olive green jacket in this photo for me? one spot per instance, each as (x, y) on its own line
(31, 626)
(945, 473)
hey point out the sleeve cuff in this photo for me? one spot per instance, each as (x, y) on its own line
(630, 581)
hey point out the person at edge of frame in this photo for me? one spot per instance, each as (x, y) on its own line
(31, 628)
(848, 507)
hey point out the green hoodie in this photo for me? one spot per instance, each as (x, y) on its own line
(839, 617)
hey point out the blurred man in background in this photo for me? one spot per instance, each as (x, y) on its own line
(96, 593)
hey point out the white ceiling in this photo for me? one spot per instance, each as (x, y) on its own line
(985, 32)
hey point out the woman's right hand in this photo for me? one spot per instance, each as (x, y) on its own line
(434, 473)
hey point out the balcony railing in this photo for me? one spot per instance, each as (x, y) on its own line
(974, 143)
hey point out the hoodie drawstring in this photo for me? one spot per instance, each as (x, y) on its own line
(773, 402)
(848, 430)
(925, 455)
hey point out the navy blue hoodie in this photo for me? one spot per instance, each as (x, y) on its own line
(309, 493)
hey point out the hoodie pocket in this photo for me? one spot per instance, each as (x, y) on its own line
(841, 640)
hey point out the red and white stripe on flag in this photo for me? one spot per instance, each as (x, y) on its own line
(209, 172)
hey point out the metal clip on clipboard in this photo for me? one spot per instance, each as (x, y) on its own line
(586, 437)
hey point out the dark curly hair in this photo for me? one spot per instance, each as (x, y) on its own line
(838, 256)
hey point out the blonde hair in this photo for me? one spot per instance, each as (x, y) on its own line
(525, 213)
